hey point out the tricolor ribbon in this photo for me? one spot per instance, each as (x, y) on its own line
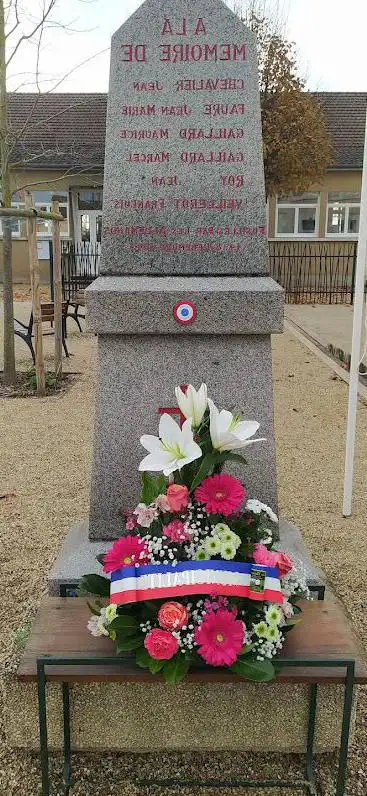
(227, 578)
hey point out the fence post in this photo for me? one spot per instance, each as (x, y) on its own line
(36, 299)
(354, 271)
(51, 259)
(57, 289)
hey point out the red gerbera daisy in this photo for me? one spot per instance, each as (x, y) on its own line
(125, 552)
(220, 494)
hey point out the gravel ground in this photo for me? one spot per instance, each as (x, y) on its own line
(46, 447)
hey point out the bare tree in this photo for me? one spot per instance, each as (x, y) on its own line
(297, 145)
(18, 28)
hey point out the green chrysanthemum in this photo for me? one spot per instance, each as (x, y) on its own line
(228, 551)
(212, 545)
(273, 615)
(272, 632)
(261, 630)
(201, 554)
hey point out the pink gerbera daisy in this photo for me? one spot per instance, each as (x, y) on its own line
(125, 552)
(221, 494)
(220, 638)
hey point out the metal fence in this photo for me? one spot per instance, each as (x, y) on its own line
(314, 271)
(310, 271)
(80, 266)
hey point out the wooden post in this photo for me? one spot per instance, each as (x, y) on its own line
(56, 243)
(36, 300)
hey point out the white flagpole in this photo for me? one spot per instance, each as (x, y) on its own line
(360, 277)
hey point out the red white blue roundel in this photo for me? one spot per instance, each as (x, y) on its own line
(184, 312)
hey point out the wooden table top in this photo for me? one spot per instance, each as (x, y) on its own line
(60, 628)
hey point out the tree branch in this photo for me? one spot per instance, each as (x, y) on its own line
(17, 20)
(26, 36)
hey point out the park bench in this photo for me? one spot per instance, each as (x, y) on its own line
(77, 307)
(48, 316)
(322, 649)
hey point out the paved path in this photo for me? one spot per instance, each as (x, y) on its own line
(325, 324)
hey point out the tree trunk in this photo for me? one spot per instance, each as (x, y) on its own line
(56, 242)
(9, 355)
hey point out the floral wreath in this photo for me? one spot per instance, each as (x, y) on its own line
(198, 577)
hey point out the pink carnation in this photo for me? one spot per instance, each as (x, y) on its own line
(161, 503)
(272, 558)
(160, 644)
(130, 523)
(220, 638)
(125, 552)
(220, 494)
(284, 564)
(262, 555)
(176, 531)
(145, 514)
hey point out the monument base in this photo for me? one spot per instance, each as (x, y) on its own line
(78, 557)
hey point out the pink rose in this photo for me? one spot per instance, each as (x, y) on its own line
(262, 555)
(161, 645)
(284, 563)
(178, 497)
(172, 615)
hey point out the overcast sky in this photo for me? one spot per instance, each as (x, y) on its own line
(330, 36)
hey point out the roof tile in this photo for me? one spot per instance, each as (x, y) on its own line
(64, 131)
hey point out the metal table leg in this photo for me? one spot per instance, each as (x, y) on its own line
(310, 759)
(66, 719)
(347, 714)
(348, 664)
(42, 714)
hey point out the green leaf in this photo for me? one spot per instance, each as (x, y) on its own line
(94, 584)
(150, 608)
(176, 669)
(152, 487)
(246, 649)
(129, 644)
(258, 671)
(100, 558)
(292, 622)
(206, 465)
(124, 624)
(93, 609)
(156, 666)
(143, 658)
(229, 456)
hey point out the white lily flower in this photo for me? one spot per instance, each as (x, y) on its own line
(193, 403)
(174, 447)
(229, 432)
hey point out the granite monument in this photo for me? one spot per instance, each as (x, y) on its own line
(184, 294)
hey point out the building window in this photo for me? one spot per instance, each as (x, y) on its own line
(297, 215)
(43, 201)
(15, 222)
(343, 212)
(91, 199)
